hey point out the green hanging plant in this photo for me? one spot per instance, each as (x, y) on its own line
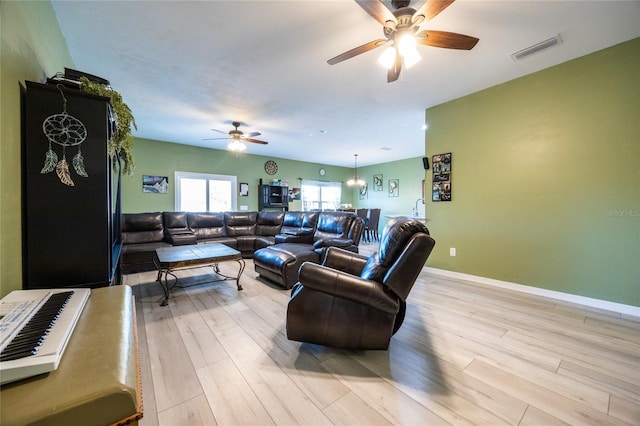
(122, 140)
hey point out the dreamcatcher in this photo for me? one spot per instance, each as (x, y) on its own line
(64, 130)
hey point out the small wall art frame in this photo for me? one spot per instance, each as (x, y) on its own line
(377, 182)
(155, 184)
(294, 194)
(441, 181)
(363, 191)
(394, 187)
(244, 189)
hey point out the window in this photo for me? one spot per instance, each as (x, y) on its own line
(320, 195)
(201, 192)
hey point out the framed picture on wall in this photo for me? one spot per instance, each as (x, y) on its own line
(394, 187)
(377, 182)
(364, 191)
(441, 180)
(155, 184)
(244, 189)
(294, 194)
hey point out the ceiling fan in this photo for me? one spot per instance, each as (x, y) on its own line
(401, 27)
(238, 137)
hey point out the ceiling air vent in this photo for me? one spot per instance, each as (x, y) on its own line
(538, 47)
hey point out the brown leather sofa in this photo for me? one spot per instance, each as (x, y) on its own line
(354, 302)
(246, 232)
(296, 245)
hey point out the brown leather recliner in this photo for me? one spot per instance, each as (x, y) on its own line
(354, 302)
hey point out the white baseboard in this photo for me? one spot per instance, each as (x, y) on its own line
(581, 300)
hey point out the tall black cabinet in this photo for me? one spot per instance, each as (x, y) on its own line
(71, 223)
(273, 197)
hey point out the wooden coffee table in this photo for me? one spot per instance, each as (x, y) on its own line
(169, 259)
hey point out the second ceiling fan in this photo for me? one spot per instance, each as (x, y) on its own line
(237, 137)
(401, 27)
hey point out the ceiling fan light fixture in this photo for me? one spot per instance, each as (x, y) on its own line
(236, 146)
(388, 57)
(407, 44)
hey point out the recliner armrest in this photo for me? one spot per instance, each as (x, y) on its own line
(289, 238)
(344, 260)
(333, 242)
(346, 286)
(296, 231)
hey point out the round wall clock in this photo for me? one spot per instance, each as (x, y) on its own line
(271, 167)
(322, 172)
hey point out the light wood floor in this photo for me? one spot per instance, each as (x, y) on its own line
(466, 354)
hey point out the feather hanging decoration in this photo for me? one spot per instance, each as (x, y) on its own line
(62, 170)
(78, 164)
(50, 161)
(64, 130)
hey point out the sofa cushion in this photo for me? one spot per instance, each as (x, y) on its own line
(182, 239)
(240, 223)
(310, 219)
(298, 227)
(207, 225)
(174, 222)
(293, 219)
(140, 228)
(269, 223)
(333, 225)
(245, 243)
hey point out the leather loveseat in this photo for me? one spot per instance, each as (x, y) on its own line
(246, 232)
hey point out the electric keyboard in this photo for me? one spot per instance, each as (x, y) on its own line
(35, 326)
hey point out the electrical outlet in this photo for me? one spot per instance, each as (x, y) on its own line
(244, 208)
(452, 251)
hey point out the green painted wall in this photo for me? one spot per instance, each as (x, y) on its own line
(32, 48)
(546, 178)
(163, 159)
(409, 173)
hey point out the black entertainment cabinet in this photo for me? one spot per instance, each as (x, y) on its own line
(273, 197)
(72, 224)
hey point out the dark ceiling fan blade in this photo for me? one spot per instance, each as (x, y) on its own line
(254, 141)
(357, 51)
(214, 139)
(252, 134)
(430, 10)
(446, 39)
(394, 72)
(220, 131)
(377, 10)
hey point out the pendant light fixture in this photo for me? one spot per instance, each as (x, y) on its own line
(356, 180)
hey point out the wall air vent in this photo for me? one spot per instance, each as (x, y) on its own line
(538, 47)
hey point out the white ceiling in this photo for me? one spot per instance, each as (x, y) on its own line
(185, 67)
